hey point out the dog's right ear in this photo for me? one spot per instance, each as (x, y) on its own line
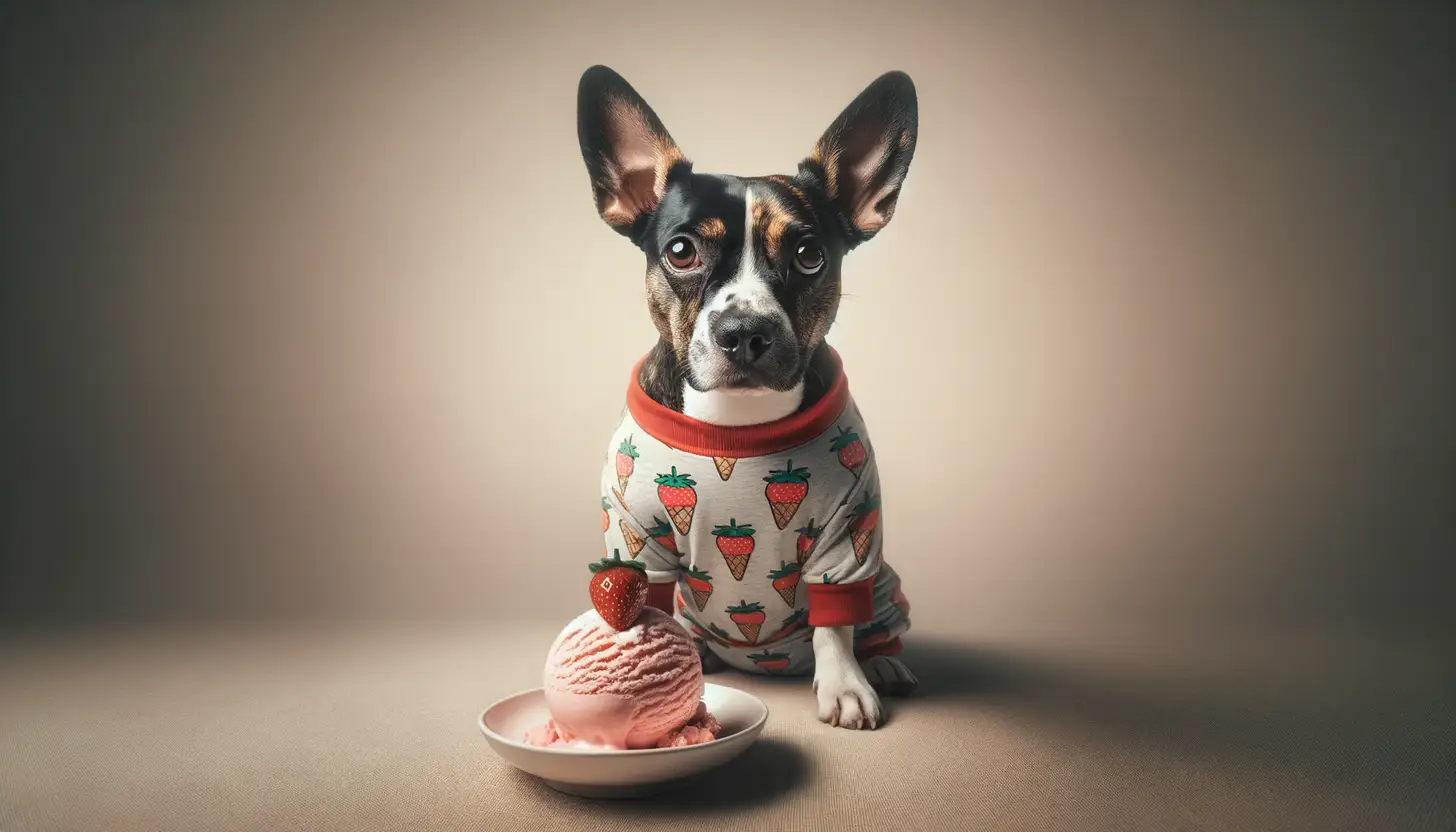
(863, 157)
(628, 152)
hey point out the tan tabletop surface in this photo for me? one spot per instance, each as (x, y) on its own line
(376, 729)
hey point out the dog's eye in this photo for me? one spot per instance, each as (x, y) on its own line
(808, 257)
(682, 255)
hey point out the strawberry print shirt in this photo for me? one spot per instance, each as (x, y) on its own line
(753, 535)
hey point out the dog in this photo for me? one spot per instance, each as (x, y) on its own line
(743, 283)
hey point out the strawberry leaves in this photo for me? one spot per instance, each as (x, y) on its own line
(788, 474)
(627, 448)
(675, 480)
(733, 529)
(844, 439)
(616, 561)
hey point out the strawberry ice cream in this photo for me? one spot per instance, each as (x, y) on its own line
(636, 688)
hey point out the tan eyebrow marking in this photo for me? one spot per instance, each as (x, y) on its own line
(772, 219)
(712, 228)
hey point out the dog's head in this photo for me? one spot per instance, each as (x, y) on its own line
(743, 272)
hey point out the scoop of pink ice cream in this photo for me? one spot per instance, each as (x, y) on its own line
(627, 689)
(703, 727)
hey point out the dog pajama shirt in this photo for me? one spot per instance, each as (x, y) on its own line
(754, 535)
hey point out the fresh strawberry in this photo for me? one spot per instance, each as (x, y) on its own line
(786, 581)
(805, 544)
(736, 544)
(770, 661)
(662, 533)
(678, 497)
(786, 490)
(749, 618)
(626, 462)
(850, 449)
(618, 590)
(700, 584)
(606, 518)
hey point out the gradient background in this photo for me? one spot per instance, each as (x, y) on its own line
(308, 312)
(308, 317)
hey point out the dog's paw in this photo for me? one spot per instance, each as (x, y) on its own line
(846, 700)
(889, 676)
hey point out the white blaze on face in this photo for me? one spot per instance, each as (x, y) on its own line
(748, 292)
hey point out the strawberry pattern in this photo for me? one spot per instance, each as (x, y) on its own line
(789, 533)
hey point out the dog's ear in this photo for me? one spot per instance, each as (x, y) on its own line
(862, 159)
(628, 152)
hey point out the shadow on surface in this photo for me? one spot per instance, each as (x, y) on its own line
(1389, 729)
(768, 771)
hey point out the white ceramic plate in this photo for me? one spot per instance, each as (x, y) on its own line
(601, 773)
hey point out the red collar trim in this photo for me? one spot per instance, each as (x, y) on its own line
(688, 434)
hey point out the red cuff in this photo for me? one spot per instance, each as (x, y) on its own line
(660, 596)
(839, 605)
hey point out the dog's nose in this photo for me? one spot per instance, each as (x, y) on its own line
(745, 338)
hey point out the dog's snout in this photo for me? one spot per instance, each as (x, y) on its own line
(744, 338)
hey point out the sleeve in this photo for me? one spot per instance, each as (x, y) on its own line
(841, 568)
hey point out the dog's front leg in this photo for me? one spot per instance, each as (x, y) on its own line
(845, 696)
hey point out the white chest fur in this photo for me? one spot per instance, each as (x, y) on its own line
(735, 408)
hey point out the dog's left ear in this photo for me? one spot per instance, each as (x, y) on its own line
(628, 152)
(862, 159)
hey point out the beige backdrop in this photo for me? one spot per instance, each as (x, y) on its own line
(310, 313)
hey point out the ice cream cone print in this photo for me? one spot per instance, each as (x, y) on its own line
(724, 464)
(735, 542)
(786, 491)
(737, 565)
(633, 539)
(678, 498)
(700, 584)
(850, 449)
(866, 517)
(749, 618)
(805, 542)
(722, 635)
(681, 517)
(786, 581)
(796, 620)
(662, 533)
(626, 462)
